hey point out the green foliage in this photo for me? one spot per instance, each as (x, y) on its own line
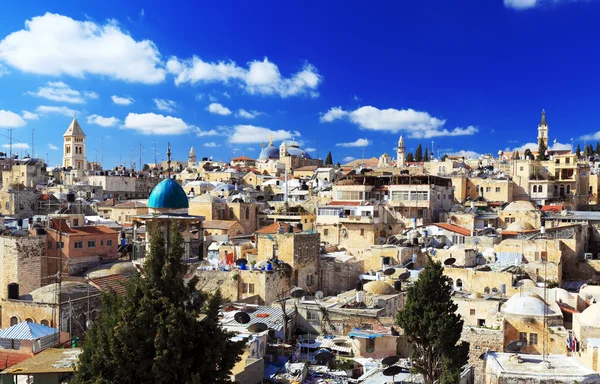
(542, 149)
(431, 324)
(329, 159)
(578, 151)
(419, 154)
(153, 334)
(597, 151)
(409, 157)
(527, 155)
(426, 157)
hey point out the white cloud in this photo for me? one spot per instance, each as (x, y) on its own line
(590, 136)
(16, 146)
(218, 109)
(357, 143)
(3, 70)
(530, 146)
(154, 124)
(226, 95)
(103, 121)
(468, 154)
(417, 124)
(46, 109)
(57, 45)
(10, 119)
(251, 149)
(561, 147)
(200, 96)
(52, 147)
(247, 114)
(201, 133)
(310, 150)
(122, 100)
(356, 98)
(244, 134)
(165, 105)
(59, 91)
(211, 144)
(29, 115)
(212, 99)
(520, 4)
(348, 159)
(260, 77)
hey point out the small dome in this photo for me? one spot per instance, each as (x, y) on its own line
(519, 226)
(379, 288)
(269, 152)
(527, 304)
(295, 151)
(168, 194)
(591, 315)
(519, 206)
(126, 269)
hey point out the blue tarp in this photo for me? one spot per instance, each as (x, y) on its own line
(365, 334)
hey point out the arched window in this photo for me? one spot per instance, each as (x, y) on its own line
(534, 188)
(540, 188)
(459, 284)
(247, 213)
(29, 320)
(14, 321)
(486, 290)
(494, 290)
(45, 322)
(83, 321)
(450, 282)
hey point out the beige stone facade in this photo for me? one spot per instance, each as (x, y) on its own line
(23, 262)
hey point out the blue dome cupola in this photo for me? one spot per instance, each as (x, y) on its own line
(168, 194)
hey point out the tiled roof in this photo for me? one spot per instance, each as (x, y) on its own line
(218, 224)
(242, 158)
(306, 168)
(344, 203)
(10, 358)
(552, 208)
(273, 229)
(114, 283)
(62, 226)
(107, 203)
(453, 228)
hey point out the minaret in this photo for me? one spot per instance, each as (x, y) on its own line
(543, 130)
(400, 153)
(74, 147)
(192, 158)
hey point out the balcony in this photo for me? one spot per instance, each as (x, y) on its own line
(357, 219)
(192, 251)
(410, 203)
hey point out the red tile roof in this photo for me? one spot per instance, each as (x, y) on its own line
(453, 228)
(273, 229)
(62, 226)
(242, 158)
(352, 203)
(114, 283)
(306, 168)
(10, 358)
(132, 204)
(552, 208)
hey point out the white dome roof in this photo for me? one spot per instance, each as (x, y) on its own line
(526, 304)
(519, 206)
(591, 315)
(519, 226)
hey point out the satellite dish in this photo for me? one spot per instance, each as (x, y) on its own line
(258, 327)
(515, 346)
(319, 295)
(476, 241)
(404, 276)
(389, 271)
(380, 240)
(322, 356)
(242, 317)
(392, 371)
(449, 261)
(390, 360)
(298, 293)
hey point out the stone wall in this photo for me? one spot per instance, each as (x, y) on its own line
(339, 277)
(481, 340)
(21, 261)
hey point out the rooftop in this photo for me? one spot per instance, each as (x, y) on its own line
(115, 283)
(274, 229)
(562, 368)
(51, 360)
(62, 226)
(218, 224)
(26, 331)
(168, 194)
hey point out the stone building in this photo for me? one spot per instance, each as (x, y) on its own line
(231, 228)
(214, 208)
(522, 212)
(74, 151)
(23, 262)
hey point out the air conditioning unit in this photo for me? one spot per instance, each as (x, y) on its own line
(588, 256)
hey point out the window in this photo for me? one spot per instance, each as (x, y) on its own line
(523, 336)
(244, 288)
(567, 161)
(60, 245)
(91, 243)
(370, 345)
(533, 339)
(78, 244)
(459, 284)
(534, 188)
(486, 290)
(109, 243)
(14, 321)
(540, 188)
(472, 312)
(488, 189)
(326, 232)
(75, 222)
(362, 231)
(251, 288)
(101, 242)
(521, 169)
(481, 322)
(275, 250)
(312, 316)
(247, 213)
(310, 280)
(497, 189)
(400, 195)
(45, 322)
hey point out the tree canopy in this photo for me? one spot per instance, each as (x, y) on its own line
(409, 157)
(329, 159)
(419, 153)
(162, 330)
(578, 151)
(431, 324)
(542, 149)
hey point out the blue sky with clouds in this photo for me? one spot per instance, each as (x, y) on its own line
(344, 76)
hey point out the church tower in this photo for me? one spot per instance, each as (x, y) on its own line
(192, 158)
(400, 153)
(282, 150)
(74, 147)
(543, 130)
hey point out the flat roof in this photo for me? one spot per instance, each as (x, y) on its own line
(561, 367)
(52, 360)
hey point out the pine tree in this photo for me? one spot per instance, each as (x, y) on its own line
(153, 333)
(409, 158)
(542, 148)
(329, 159)
(590, 150)
(430, 322)
(597, 152)
(419, 154)
(578, 151)
(426, 157)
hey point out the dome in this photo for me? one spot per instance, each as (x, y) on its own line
(519, 226)
(269, 152)
(591, 315)
(526, 283)
(379, 288)
(519, 206)
(168, 194)
(293, 150)
(206, 198)
(527, 304)
(126, 269)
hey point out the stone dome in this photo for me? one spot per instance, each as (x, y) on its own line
(526, 304)
(168, 194)
(519, 206)
(269, 152)
(519, 226)
(379, 288)
(591, 315)
(126, 268)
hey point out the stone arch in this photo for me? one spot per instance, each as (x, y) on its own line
(459, 284)
(45, 322)
(14, 320)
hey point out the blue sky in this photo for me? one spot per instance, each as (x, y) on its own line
(344, 76)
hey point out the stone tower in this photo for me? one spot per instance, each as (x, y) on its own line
(192, 158)
(543, 130)
(282, 150)
(74, 147)
(400, 153)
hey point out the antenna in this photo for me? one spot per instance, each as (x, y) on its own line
(101, 152)
(141, 150)
(32, 143)
(155, 153)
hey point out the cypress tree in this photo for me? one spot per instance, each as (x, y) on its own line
(409, 157)
(419, 154)
(527, 155)
(153, 334)
(426, 157)
(542, 148)
(597, 152)
(329, 159)
(578, 151)
(431, 324)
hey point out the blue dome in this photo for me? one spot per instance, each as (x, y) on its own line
(269, 152)
(168, 194)
(295, 151)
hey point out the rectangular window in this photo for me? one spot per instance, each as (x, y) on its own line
(101, 242)
(497, 189)
(567, 161)
(533, 339)
(523, 336)
(400, 195)
(472, 312)
(362, 231)
(370, 345)
(326, 232)
(251, 288)
(244, 288)
(109, 243)
(91, 243)
(78, 244)
(521, 169)
(488, 189)
(312, 316)
(75, 222)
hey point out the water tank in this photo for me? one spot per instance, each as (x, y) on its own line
(360, 296)
(398, 285)
(13, 291)
(359, 285)
(378, 276)
(70, 197)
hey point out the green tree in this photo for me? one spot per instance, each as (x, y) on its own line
(162, 330)
(419, 154)
(597, 151)
(527, 155)
(431, 324)
(409, 157)
(542, 149)
(329, 159)
(578, 151)
(426, 157)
